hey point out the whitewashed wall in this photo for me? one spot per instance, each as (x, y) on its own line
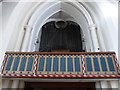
(106, 23)
(15, 16)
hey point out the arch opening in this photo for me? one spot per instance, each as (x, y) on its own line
(67, 37)
(63, 8)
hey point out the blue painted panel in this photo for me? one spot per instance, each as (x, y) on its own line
(89, 64)
(23, 63)
(103, 64)
(62, 64)
(30, 63)
(55, 64)
(16, 63)
(48, 64)
(70, 64)
(9, 63)
(77, 64)
(110, 64)
(96, 64)
(41, 64)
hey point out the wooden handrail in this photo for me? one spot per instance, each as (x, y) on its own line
(50, 53)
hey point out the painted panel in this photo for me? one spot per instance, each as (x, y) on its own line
(9, 63)
(30, 63)
(41, 64)
(110, 63)
(23, 64)
(96, 64)
(77, 64)
(62, 64)
(16, 63)
(48, 64)
(103, 64)
(89, 64)
(70, 64)
(55, 64)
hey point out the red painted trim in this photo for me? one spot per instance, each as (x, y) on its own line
(58, 76)
(37, 66)
(6, 58)
(115, 61)
(85, 66)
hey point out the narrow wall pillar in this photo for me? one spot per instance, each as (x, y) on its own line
(114, 84)
(98, 85)
(26, 38)
(5, 83)
(94, 38)
(105, 85)
(15, 84)
(21, 84)
(119, 85)
(0, 83)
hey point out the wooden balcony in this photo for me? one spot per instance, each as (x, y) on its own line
(60, 65)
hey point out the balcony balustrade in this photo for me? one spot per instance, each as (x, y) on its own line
(60, 65)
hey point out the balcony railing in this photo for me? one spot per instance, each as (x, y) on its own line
(60, 65)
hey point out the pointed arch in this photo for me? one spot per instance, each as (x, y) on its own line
(38, 19)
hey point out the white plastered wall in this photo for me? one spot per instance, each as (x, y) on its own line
(14, 30)
(20, 16)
